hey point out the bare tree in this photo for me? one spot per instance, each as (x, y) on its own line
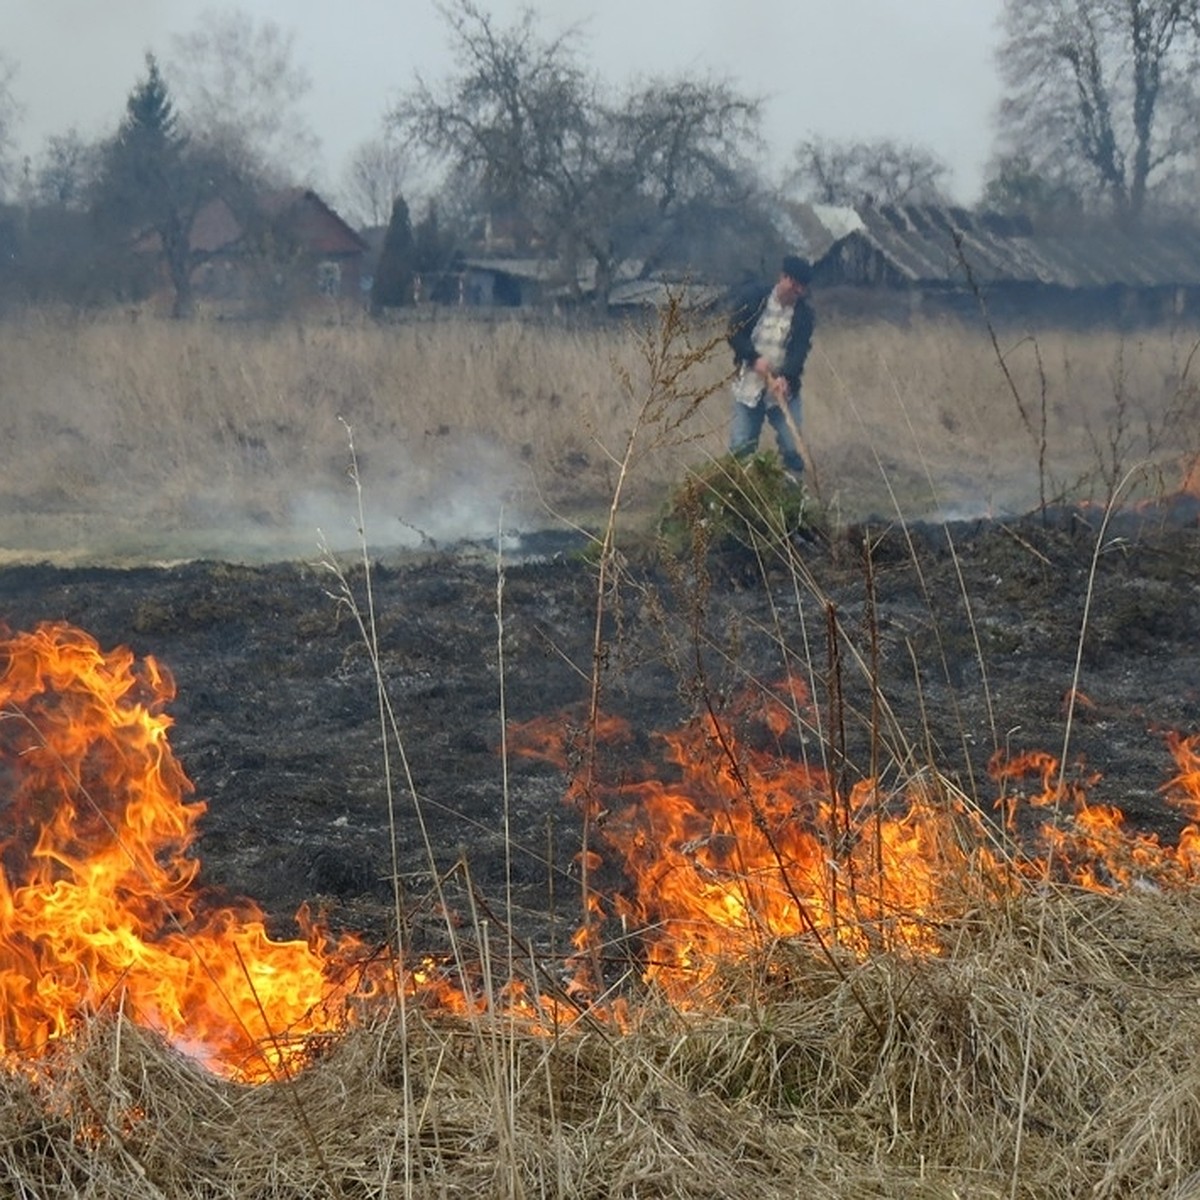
(573, 168)
(510, 119)
(239, 88)
(10, 110)
(378, 171)
(851, 172)
(66, 170)
(1103, 90)
(1014, 187)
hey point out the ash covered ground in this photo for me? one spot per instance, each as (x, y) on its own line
(277, 715)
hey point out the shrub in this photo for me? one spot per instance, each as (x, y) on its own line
(734, 502)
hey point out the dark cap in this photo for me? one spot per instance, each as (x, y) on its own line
(797, 268)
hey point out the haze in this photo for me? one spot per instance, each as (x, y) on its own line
(914, 70)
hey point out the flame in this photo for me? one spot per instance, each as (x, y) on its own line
(730, 840)
(728, 844)
(738, 847)
(1191, 478)
(99, 908)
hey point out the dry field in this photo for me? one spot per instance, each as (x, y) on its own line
(135, 438)
(833, 823)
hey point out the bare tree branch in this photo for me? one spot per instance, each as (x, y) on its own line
(884, 171)
(239, 88)
(582, 174)
(1100, 92)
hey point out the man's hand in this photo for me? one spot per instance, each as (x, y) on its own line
(776, 385)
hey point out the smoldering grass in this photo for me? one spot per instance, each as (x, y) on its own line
(154, 432)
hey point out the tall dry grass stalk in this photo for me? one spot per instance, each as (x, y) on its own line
(895, 1077)
(155, 436)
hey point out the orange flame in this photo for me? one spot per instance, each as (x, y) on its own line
(727, 847)
(98, 904)
(740, 847)
(728, 844)
(1191, 478)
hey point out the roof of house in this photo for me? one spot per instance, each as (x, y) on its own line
(630, 289)
(312, 221)
(535, 270)
(552, 273)
(657, 293)
(929, 244)
(216, 228)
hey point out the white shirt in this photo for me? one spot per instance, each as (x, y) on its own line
(770, 341)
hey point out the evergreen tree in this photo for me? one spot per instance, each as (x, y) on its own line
(392, 286)
(434, 255)
(153, 181)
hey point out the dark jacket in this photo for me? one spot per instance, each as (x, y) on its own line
(747, 308)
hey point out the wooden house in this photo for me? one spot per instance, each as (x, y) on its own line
(910, 258)
(280, 249)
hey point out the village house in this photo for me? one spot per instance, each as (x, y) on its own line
(285, 248)
(905, 259)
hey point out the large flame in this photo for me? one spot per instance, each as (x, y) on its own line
(98, 905)
(729, 842)
(728, 847)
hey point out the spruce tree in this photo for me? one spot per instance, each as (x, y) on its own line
(392, 286)
(153, 181)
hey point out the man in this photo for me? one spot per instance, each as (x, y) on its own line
(771, 331)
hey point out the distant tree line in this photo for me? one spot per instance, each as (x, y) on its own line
(522, 145)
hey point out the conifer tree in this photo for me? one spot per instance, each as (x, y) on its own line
(153, 182)
(393, 283)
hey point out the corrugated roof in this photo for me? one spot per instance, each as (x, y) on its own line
(552, 272)
(657, 293)
(536, 270)
(920, 244)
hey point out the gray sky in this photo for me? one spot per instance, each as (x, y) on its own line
(914, 70)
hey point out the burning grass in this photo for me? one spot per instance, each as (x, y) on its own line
(798, 983)
(1046, 1053)
(872, 999)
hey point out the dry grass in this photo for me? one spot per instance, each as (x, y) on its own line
(1047, 1053)
(160, 438)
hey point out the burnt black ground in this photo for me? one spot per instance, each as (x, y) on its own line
(277, 718)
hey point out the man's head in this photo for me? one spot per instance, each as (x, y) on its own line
(795, 274)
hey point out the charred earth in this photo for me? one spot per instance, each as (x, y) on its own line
(976, 640)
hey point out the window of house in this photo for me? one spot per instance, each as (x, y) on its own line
(329, 278)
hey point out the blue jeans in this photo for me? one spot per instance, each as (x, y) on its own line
(747, 426)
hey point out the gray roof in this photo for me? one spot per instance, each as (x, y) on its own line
(551, 272)
(920, 244)
(657, 293)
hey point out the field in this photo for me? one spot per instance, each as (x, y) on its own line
(134, 438)
(860, 863)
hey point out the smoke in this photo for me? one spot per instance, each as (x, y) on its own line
(471, 493)
(964, 497)
(84, 486)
